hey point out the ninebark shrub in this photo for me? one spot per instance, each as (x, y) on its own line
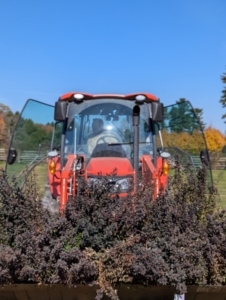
(178, 239)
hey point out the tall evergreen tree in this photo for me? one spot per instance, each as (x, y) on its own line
(198, 112)
(223, 97)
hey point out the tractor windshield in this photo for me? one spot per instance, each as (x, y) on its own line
(103, 127)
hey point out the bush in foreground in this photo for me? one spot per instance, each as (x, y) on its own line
(175, 240)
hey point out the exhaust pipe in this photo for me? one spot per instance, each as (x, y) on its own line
(136, 123)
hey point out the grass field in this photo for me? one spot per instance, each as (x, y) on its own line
(219, 177)
(40, 171)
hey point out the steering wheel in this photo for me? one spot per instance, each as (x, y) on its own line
(104, 139)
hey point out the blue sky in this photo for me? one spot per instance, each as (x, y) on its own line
(171, 48)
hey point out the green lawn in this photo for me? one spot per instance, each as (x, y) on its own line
(219, 177)
(40, 170)
(2, 164)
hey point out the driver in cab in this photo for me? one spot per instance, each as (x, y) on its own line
(99, 135)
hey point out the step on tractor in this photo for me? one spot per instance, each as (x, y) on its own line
(84, 136)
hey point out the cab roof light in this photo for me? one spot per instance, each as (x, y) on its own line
(78, 97)
(140, 98)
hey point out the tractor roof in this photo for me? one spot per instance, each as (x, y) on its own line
(72, 96)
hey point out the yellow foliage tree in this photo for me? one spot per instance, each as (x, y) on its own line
(192, 143)
(215, 139)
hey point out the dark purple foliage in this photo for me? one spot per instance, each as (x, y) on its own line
(177, 240)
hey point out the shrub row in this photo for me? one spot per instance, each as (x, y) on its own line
(179, 239)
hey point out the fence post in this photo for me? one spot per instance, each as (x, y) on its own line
(18, 156)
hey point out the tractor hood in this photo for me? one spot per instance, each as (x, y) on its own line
(107, 165)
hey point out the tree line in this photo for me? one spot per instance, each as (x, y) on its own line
(8, 120)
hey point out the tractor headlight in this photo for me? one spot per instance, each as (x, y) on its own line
(122, 185)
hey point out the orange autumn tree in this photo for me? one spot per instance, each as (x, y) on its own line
(194, 142)
(215, 139)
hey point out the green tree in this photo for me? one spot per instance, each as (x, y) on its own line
(180, 117)
(198, 112)
(29, 135)
(223, 97)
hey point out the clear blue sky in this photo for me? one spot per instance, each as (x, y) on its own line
(171, 48)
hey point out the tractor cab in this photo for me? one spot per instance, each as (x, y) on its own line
(102, 127)
(106, 134)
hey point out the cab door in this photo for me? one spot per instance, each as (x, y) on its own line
(31, 139)
(183, 136)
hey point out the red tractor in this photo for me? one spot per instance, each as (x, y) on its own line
(93, 135)
(103, 133)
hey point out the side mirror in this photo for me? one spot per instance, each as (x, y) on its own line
(157, 111)
(12, 155)
(60, 111)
